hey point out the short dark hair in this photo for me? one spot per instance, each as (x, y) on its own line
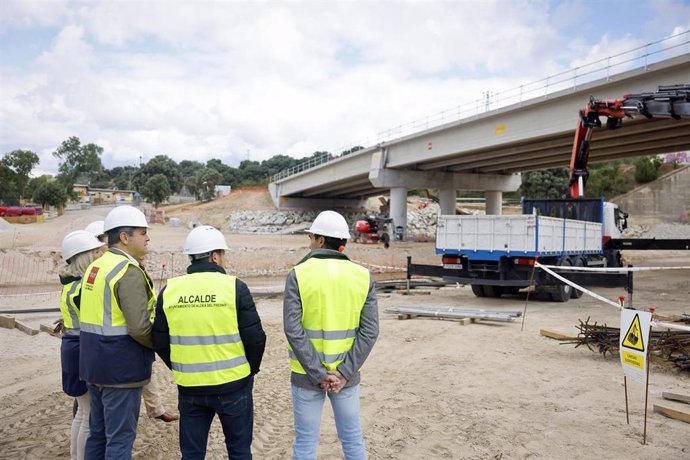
(204, 257)
(114, 234)
(332, 243)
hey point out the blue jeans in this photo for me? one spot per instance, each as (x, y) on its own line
(308, 406)
(112, 422)
(236, 414)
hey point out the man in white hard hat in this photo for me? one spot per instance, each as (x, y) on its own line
(117, 300)
(151, 392)
(79, 249)
(207, 330)
(330, 318)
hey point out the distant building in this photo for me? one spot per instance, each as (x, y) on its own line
(222, 190)
(96, 196)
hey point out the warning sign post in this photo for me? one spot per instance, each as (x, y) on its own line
(634, 351)
(634, 340)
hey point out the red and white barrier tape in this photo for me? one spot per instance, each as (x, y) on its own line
(660, 324)
(612, 269)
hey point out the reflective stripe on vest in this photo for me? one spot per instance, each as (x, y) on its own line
(205, 344)
(68, 309)
(100, 311)
(333, 293)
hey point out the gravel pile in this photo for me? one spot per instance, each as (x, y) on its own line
(659, 231)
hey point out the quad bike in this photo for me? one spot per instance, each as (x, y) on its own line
(373, 229)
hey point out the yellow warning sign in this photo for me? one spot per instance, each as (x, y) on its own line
(633, 359)
(633, 338)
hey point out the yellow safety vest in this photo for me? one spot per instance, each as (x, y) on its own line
(333, 293)
(100, 311)
(205, 344)
(68, 308)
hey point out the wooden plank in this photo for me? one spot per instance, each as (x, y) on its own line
(49, 330)
(676, 397)
(672, 412)
(7, 321)
(25, 329)
(550, 333)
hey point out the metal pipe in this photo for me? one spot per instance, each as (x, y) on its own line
(464, 310)
(452, 314)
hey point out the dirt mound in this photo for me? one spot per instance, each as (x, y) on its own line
(216, 212)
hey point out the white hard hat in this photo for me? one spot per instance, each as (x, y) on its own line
(96, 228)
(330, 223)
(204, 239)
(77, 242)
(124, 216)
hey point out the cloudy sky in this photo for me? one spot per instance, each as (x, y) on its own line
(239, 79)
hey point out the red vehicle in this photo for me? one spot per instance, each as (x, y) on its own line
(373, 229)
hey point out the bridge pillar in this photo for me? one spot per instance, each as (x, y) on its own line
(398, 210)
(447, 198)
(494, 201)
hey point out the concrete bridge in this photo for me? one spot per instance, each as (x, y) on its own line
(488, 151)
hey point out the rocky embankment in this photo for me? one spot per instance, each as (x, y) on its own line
(421, 221)
(659, 231)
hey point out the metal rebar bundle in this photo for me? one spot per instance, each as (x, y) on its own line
(447, 312)
(671, 346)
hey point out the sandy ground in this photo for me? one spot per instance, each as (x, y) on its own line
(431, 389)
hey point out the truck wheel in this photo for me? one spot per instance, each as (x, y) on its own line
(493, 291)
(478, 290)
(386, 240)
(576, 293)
(613, 258)
(561, 292)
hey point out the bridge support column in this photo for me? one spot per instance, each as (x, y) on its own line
(398, 211)
(447, 201)
(494, 201)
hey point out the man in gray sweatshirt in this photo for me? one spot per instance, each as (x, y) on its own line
(330, 318)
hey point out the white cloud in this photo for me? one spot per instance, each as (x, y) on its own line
(198, 80)
(17, 14)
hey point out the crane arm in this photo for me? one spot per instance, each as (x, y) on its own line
(669, 101)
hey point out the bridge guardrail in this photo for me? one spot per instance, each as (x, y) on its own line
(640, 57)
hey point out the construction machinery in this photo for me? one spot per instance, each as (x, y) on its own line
(496, 254)
(373, 229)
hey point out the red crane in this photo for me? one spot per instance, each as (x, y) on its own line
(669, 101)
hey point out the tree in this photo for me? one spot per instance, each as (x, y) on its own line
(609, 179)
(79, 161)
(156, 189)
(8, 189)
(163, 165)
(188, 168)
(101, 180)
(15, 168)
(203, 184)
(545, 184)
(50, 192)
(230, 176)
(252, 173)
(121, 176)
(278, 163)
(35, 183)
(647, 169)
